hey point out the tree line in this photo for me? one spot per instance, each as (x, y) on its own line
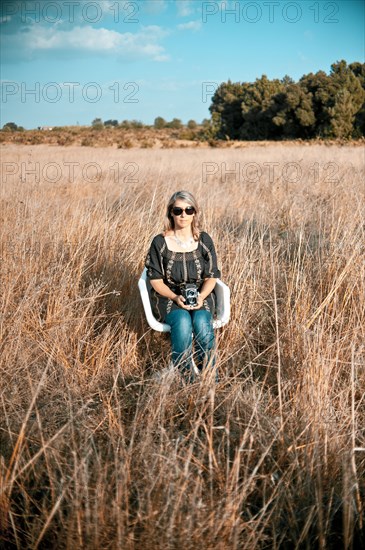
(158, 124)
(99, 124)
(317, 106)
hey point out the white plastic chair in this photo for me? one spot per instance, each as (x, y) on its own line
(223, 307)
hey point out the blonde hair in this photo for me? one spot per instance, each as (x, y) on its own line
(169, 224)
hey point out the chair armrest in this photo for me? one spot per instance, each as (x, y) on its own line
(223, 295)
(151, 319)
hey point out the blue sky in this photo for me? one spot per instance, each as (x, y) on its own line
(68, 62)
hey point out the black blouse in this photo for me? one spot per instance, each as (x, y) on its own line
(180, 267)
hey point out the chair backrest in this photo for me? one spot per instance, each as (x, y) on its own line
(222, 293)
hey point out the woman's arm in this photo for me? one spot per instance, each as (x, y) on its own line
(207, 287)
(205, 290)
(159, 286)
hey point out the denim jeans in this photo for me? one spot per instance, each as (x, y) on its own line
(184, 325)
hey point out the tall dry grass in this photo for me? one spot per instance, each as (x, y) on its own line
(96, 450)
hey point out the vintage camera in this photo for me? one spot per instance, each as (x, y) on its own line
(189, 291)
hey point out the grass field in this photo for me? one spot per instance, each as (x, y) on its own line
(97, 452)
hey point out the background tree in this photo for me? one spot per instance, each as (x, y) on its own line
(293, 113)
(175, 123)
(257, 109)
(11, 126)
(226, 109)
(111, 123)
(359, 124)
(125, 124)
(136, 124)
(97, 124)
(346, 102)
(319, 105)
(336, 99)
(159, 123)
(287, 80)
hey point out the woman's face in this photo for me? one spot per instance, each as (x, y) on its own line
(182, 220)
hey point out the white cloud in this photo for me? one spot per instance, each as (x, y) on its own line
(191, 26)
(153, 6)
(184, 7)
(81, 40)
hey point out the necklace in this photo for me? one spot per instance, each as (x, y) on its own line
(183, 244)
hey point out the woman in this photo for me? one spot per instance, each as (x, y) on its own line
(183, 255)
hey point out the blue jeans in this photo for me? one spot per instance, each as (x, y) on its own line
(184, 325)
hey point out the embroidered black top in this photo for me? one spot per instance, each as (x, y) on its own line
(180, 267)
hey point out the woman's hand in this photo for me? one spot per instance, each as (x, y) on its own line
(205, 290)
(159, 286)
(180, 301)
(200, 301)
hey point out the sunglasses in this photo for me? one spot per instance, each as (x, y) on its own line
(177, 211)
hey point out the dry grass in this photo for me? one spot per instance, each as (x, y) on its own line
(121, 138)
(146, 137)
(99, 453)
